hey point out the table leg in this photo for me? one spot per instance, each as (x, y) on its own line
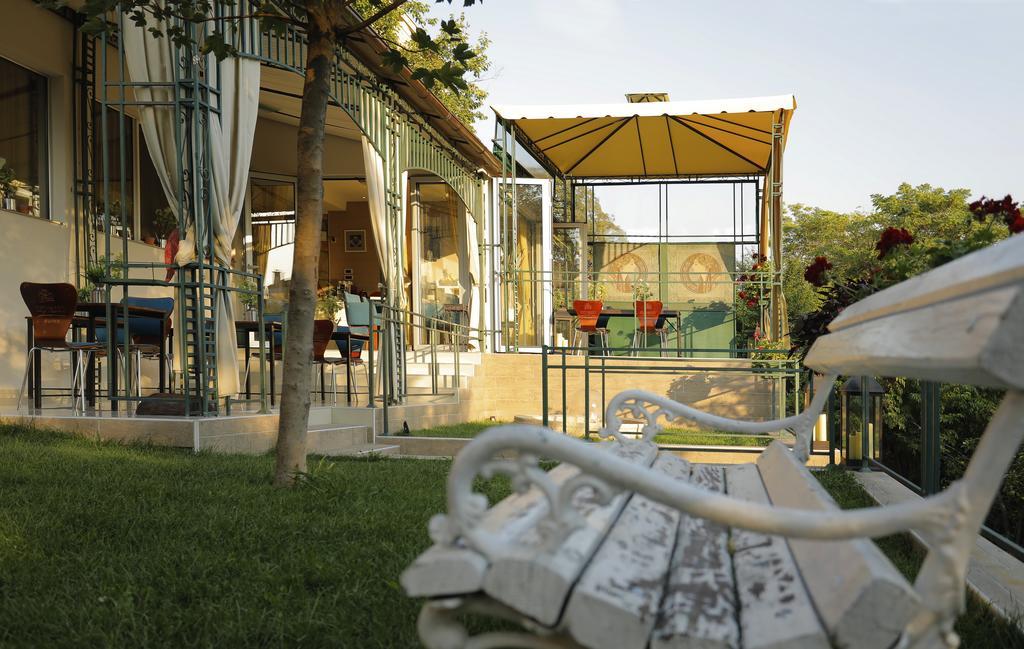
(273, 354)
(90, 367)
(348, 370)
(37, 364)
(30, 339)
(162, 357)
(323, 393)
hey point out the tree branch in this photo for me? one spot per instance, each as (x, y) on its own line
(380, 13)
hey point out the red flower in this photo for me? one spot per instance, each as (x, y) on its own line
(742, 295)
(1017, 225)
(751, 303)
(891, 238)
(1006, 207)
(815, 273)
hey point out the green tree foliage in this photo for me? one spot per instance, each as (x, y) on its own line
(400, 31)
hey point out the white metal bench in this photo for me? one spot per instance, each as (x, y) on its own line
(621, 546)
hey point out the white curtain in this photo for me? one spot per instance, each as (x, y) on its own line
(377, 197)
(151, 59)
(473, 262)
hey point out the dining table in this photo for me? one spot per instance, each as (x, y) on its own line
(244, 331)
(88, 316)
(567, 314)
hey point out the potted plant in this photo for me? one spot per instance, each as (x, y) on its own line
(250, 299)
(96, 275)
(164, 222)
(7, 188)
(328, 304)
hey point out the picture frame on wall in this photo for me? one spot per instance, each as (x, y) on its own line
(355, 240)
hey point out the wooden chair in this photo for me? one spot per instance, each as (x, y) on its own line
(621, 546)
(52, 307)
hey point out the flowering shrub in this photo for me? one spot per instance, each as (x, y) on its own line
(900, 256)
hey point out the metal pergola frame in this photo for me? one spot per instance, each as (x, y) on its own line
(403, 138)
(767, 210)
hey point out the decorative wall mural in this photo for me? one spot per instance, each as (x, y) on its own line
(700, 271)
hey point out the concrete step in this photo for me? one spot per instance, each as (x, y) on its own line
(332, 439)
(365, 450)
(423, 356)
(443, 369)
(444, 381)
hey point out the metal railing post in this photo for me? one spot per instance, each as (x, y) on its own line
(544, 384)
(931, 442)
(586, 393)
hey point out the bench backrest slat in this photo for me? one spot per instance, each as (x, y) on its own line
(959, 323)
(975, 339)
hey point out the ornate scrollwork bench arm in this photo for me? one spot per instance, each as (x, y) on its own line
(608, 474)
(638, 402)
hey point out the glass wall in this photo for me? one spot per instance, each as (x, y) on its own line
(530, 262)
(24, 176)
(441, 219)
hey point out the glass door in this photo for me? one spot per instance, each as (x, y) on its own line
(523, 285)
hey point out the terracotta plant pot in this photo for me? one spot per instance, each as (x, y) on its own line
(647, 313)
(588, 311)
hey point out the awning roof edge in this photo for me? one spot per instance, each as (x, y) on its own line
(647, 109)
(718, 137)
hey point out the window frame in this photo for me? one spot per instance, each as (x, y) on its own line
(46, 173)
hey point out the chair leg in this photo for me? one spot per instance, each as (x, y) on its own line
(138, 373)
(24, 379)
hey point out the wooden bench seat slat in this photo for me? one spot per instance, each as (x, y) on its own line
(615, 602)
(537, 583)
(699, 606)
(775, 607)
(862, 600)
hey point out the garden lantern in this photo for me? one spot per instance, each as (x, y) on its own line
(860, 419)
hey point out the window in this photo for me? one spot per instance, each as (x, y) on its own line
(272, 214)
(23, 146)
(114, 183)
(152, 199)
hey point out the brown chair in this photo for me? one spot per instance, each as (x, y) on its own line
(52, 307)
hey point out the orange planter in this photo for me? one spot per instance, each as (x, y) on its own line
(588, 311)
(647, 312)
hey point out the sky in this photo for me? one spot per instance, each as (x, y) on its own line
(888, 91)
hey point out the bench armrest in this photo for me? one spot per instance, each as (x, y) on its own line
(639, 402)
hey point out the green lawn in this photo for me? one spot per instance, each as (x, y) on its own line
(669, 435)
(131, 546)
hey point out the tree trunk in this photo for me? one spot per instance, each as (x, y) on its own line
(295, 386)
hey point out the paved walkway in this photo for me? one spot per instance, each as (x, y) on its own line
(993, 573)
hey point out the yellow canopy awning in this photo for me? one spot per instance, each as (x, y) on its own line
(682, 138)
